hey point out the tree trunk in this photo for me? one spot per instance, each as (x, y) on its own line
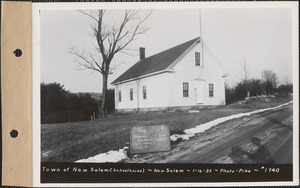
(104, 89)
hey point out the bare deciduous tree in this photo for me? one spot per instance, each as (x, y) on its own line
(245, 69)
(269, 81)
(286, 80)
(246, 76)
(111, 39)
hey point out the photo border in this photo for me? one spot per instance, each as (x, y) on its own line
(162, 5)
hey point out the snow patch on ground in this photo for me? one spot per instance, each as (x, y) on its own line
(194, 111)
(174, 137)
(111, 156)
(116, 156)
(265, 98)
(204, 127)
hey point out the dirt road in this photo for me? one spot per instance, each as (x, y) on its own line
(261, 138)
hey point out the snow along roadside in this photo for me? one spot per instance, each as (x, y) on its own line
(204, 127)
(115, 156)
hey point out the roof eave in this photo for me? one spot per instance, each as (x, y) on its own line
(183, 54)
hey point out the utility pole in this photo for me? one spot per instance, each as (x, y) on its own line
(201, 38)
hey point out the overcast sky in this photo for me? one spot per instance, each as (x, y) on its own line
(263, 36)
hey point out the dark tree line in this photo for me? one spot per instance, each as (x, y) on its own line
(59, 105)
(255, 87)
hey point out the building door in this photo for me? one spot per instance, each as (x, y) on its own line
(199, 92)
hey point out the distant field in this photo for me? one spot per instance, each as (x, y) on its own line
(68, 142)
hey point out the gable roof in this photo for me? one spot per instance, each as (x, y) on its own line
(158, 62)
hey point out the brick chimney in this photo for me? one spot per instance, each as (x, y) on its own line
(142, 53)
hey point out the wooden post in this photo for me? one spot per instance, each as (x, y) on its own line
(99, 108)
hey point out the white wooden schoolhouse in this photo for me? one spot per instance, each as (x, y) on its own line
(184, 76)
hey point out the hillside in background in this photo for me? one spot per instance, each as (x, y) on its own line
(94, 95)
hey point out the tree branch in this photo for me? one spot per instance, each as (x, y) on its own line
(87, 64)
(115, 67)
(110, 40)
(137, 31)
(90, 15)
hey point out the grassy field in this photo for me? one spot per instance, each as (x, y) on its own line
(68, 142)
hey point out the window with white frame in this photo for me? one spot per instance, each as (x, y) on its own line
(197, 58)
(185, 89)
(131, 94)
(120, 96)
(211, 90)
(144, 92)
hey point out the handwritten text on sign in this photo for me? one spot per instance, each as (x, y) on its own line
(155, 138)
